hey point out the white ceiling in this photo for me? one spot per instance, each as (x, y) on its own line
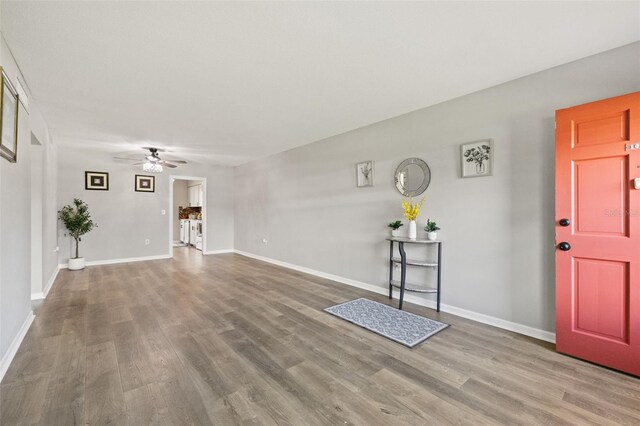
(225, 83)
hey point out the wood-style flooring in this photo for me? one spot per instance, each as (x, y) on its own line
(228, 340)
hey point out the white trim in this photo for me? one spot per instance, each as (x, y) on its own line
(45, 291)
(218, 251)
(52, 279)
(475, 316)
(15, 345)
(125, 260)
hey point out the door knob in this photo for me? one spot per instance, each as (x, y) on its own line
(565, 222)
(564, 246)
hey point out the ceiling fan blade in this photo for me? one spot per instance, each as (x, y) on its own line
(127, 159)
(139, 163)
(153, 147)
(166, 163)
(178, 161)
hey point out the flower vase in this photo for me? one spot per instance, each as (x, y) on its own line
(413, 230)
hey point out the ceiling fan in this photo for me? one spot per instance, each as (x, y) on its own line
(152, 162)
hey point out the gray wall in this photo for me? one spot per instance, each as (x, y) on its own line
(15, 221)
(180, 199)
(126, 218)
(498, 231)
(15, 218)
(49, 208)
(36, 190)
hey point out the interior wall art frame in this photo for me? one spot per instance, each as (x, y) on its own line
(8, 119)
(96, 181)
(364, 174)
(145, 183)
(476, 158)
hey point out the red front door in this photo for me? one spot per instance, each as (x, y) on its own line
(598, 232)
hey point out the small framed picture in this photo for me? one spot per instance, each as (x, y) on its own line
(8, 119)
(364, 174)
(96, 181)
(477, 158)
(145, 183)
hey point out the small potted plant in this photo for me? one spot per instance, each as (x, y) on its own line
(395, 228)
(78, 222)
(432, 230)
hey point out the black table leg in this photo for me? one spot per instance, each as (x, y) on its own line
(390, 269)
(403, 271)
(439, 274)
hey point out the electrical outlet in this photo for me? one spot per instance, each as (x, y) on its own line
(146, 242)
(57, 249)
(396, 266)
(264, 241)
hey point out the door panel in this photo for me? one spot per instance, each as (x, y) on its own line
(602, 129)
(598, 276)
(601, 295)
(600, 195)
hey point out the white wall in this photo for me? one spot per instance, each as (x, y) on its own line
(498, 231)
(180, 199)
(126, 218)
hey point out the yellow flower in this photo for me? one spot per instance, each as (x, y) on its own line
(411, 209)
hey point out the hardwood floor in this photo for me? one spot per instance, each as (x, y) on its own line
(229, 340)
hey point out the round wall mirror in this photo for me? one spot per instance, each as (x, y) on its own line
(412, 177)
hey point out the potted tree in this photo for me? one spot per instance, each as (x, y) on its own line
(395, 228)
(432, 230)
(77, 220)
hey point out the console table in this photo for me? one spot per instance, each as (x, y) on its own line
(402, 260)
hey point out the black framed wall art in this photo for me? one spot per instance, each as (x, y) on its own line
(96, 181)
(145, 183)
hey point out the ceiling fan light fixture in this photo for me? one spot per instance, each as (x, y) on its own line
(152, 167)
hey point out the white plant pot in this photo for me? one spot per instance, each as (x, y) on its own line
(76, 264)
(432, 236)
(413, 230)
(396, 233)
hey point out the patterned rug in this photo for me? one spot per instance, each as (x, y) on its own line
(400, 326)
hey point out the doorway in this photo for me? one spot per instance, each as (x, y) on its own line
(187, 219)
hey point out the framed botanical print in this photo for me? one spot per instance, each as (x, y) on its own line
(145, 183)
(8, 119)
(364, 174)
(477, 158)
(96, 181)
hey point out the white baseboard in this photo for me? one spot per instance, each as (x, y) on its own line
(218, 251)
(51, 281)
(125, 260)
(15, 344)
(464, 313)
(47, 287)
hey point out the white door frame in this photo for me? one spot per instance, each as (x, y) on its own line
(172, 179)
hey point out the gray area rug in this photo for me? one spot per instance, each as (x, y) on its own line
(400, 326)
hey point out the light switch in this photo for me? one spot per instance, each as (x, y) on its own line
(636, 183)
(164, 211)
